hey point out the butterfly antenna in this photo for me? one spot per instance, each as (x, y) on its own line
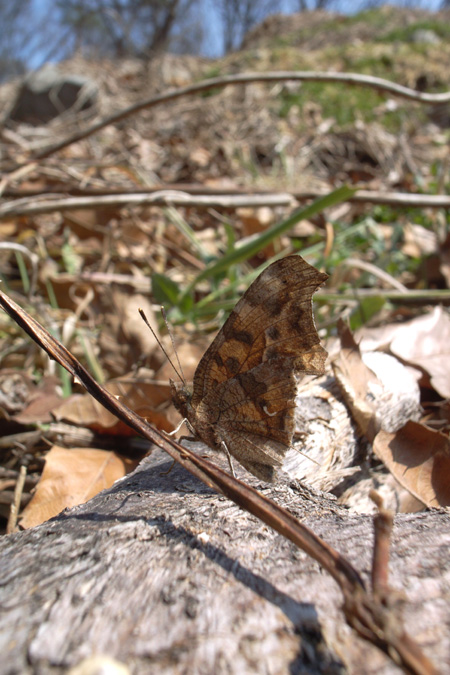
(306, 456)
(163, 312)
(145, 320)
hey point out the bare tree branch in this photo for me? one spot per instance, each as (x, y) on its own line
(377, 83)
(32, 206)
(373, 616)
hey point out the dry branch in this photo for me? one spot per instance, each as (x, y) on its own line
(246, 78)
(159, 198)
(374, 617)
(32, 206)
(166, 576)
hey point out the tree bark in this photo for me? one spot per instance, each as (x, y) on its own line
(166, 576)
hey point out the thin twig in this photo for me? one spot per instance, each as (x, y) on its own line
(370, 617)
(414, 296)
(409, 199)
(383, 523)
(32, 257)
(15, 506)
(376, 271)
(32, 206)
(377, 83)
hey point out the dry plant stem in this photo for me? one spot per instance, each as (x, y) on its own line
(15, 506)
(365, 613)
(141, 285)
(363, 196)
(383, 523)
(376, 271)
(26, 438)
(31, 206)
(32, 257)
(35, 207)
(246, 78)
(16, 175)
(411, 296)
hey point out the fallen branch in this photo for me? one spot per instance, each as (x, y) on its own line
(373, 616)
(32, 206)
(377, 83)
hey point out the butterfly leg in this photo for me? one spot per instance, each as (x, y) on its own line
(175, 431)
(166, 473)
(230, 462)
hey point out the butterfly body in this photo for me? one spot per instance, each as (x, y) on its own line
(244, 387)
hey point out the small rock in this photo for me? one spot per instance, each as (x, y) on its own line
(47, 92)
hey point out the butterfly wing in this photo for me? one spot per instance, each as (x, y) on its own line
(254, 415)
(273, 320)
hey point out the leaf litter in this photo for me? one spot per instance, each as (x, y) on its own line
(95, 266)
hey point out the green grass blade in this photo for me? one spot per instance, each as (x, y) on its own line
(247, 250)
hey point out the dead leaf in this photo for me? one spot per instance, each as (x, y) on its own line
(255, 221)
(133, 326)
(422, 342)
(419, 458)
(7, 230)
(353, 378)
(396, 394)
(189, 355)
(42, 402)
(201, 157)
(142, 397)
(125, 339)
(72, 477)
(378, 338)
(418, 241)
(425, 342)
(379, 390)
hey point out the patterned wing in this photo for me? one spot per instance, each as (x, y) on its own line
(253, 414)
(273, 320)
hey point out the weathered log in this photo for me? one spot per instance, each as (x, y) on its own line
(166, 576)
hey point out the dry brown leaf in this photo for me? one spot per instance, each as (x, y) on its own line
(423, 342)
(200, 156)
(7, 229)
(418, 241)
(142, 397)
(255, 221)
(396, 393)
(126, 311)
(419, 458)
(16, 388)
(379, 390)
(189, 355)
(378, 338)
(125, 339)
(72, 477)
(353, 378)
(145, 398)
(41, 403)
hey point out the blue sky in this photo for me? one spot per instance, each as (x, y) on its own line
(213, 46)
(214, 42)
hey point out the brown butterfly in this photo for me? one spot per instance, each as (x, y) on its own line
(243, 398)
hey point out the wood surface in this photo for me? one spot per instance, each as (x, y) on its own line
(165, 576)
